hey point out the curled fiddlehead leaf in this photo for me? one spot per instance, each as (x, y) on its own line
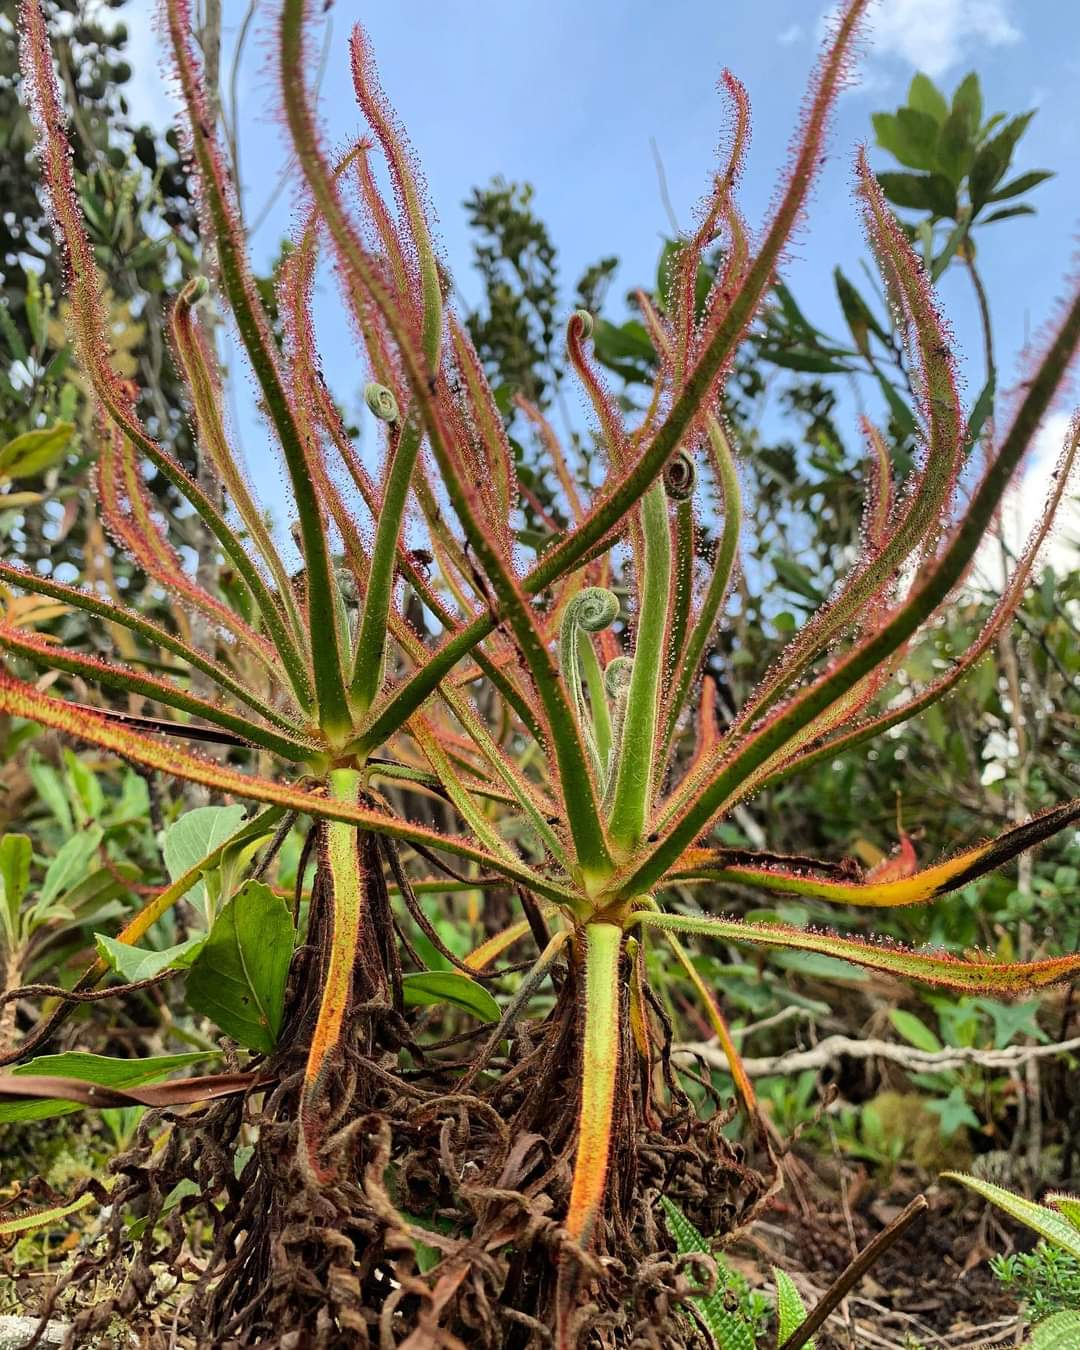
(617, 683)
(590, 611)
(680, 476)
(382, 402)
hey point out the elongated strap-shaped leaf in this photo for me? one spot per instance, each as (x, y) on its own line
(1003, 611)
(927, 505)
(90, 328)
(459, 793)
(790, 720)
(576, 782)
(161, 691)
(1046, 1222)
(132, 620)
(720, 1027)
(723, 570)
(634, 780)
(125, 512)
(718, 211)
(206, 396)
(950, 972)
(254, 329)
(22, 700)
(693, 399)
(599, 1070)
(376, 109)
(341, 849)
(918, 889)
(43, 1216)
(690, 403)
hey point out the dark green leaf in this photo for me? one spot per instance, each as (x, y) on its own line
(860, 318)
(431, 987)
(993, 160)
(968, 101)
(924, 95)
(1007, 213)
(1024, 183)
(984, 406)
(140, 963)
(238, 979)
(796, 578)
(919, 192)
(802, 358)
(901, 413)
(955, 148)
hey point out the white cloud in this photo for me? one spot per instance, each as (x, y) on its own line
(934, 35)
(788, 36)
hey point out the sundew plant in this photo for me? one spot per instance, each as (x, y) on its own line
(498, 1187)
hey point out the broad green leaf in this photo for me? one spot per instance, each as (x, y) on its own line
(907, 143)
(1060, 1331)
(431, 987)
(104, 1070)
(911, 190)
(967, 100)
(140, 963)
(1048, 1223)
(15, 853)
(35, 451)
(1024, 183)
(69, 867)
(238, 978)
(193, 836)
(955, 148)
(790, 1309)
(918, 132)
(731, 1330)
(926, 97)
(914, 1030)
(50, 788)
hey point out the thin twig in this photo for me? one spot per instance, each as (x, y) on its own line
(854, 1273)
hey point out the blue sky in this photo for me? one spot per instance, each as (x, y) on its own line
(569, 96)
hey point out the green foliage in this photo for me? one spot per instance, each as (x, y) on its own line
(731, 1312)
(1045, 1280)
(434, 987)
(238, 977)
(964, 160)
(790, 1309)
(102, 1070)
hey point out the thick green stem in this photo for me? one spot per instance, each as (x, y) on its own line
(342, 857)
